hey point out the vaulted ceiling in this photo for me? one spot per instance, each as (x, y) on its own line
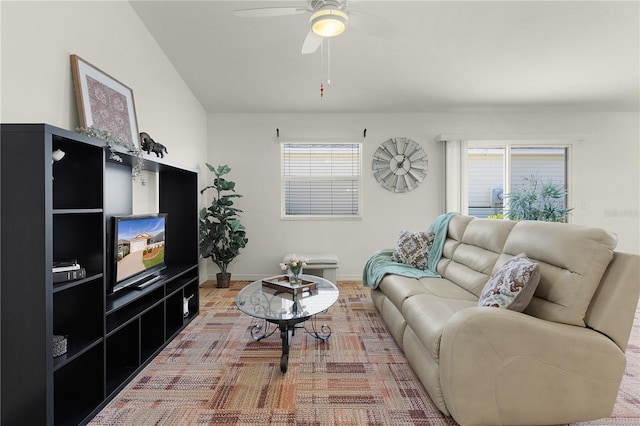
(410, 56)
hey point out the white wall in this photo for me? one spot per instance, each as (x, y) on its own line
(37, 87)
(605, 175)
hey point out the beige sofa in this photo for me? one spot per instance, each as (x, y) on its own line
(559, 361)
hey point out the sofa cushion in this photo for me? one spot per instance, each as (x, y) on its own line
(572, 261)
(471, 268)
(457, 225)
(442, 287)
(469, 257)
(398, 289)
(413, 248)
(427, 315)
(489, 234)
(513, 285)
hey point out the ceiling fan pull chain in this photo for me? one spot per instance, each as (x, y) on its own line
(321, 70)
(328, 62)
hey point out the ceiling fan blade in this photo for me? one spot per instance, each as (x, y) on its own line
(311, 43)
(373, 25)
(266, 12)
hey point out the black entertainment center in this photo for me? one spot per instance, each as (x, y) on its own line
(53, 212)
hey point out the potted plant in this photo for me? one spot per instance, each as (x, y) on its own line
(535, 200)
(221, 233)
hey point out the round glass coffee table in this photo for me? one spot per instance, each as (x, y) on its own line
(274, 301)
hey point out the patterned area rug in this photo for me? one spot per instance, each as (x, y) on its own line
(214, 373)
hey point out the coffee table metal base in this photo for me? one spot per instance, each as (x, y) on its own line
(287, 331)
(288, 311)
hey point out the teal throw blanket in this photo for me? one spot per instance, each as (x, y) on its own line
(380, 263)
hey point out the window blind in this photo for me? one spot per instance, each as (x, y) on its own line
(321, 179)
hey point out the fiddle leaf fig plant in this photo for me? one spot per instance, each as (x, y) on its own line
(221, 233)
(536, 200)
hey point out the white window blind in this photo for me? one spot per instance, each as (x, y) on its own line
(321, 179)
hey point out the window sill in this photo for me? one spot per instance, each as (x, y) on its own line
(321, 218)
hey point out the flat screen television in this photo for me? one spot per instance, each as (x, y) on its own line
(138, 247)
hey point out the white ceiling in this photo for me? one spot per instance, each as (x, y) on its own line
(447, 56)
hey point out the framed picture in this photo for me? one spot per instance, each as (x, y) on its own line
(104, 102)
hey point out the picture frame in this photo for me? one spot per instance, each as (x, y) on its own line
(104, 102)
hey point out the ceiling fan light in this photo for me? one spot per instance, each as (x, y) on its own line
(329, 22)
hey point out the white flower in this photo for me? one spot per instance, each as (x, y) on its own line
(294, 264)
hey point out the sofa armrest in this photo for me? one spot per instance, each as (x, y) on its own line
(503, 367)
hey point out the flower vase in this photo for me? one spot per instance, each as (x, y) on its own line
(295, 278)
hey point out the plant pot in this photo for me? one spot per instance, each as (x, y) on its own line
(223, 279)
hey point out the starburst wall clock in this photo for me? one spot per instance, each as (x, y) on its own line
(400, 164)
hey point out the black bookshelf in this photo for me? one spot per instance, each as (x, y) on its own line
(58, 211)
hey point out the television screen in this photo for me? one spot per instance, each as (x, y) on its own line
(138, 248)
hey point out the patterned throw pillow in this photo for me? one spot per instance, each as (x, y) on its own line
(513, 285)
(413, 248)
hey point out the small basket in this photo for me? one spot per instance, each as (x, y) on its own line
(59, 345)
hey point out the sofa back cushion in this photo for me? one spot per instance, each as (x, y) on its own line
(572, 261)
(471, 251)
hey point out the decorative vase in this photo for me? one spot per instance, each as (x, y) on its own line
(295, 277)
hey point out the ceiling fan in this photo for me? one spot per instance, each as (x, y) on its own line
(329, 18)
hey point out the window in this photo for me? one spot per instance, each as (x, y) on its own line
(481, 172)
(321, 180)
